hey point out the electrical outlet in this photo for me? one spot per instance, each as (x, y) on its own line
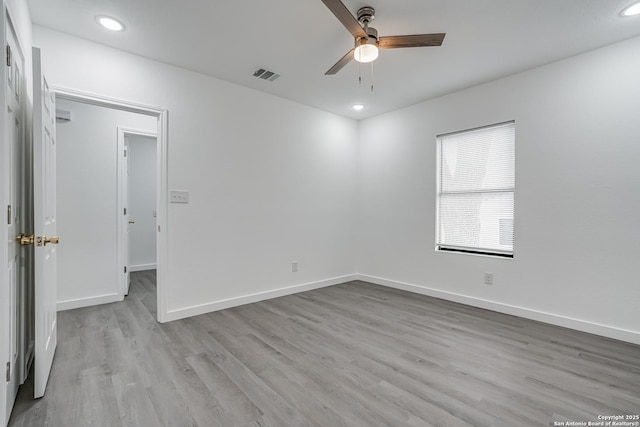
(488, 279)
(294, 266)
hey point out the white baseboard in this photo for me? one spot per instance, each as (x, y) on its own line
(87, 302)
(142, 267)
(248, 299)
(527, 313)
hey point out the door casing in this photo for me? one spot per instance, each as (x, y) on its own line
(161, 178)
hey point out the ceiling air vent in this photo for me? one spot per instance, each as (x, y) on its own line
(264, 74)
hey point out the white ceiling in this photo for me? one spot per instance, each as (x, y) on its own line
(301, 39)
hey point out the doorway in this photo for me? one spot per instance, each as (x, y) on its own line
(137, 185)
(93, 211)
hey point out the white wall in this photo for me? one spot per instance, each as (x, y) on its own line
(270, 181)
(577, 202)
(142, 201)
(88, 213)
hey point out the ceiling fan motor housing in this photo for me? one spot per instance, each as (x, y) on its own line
(372, 39)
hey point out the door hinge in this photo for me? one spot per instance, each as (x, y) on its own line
(125, 211)
(9, 214)
(125, 153)
(125, 269)
(8, 371)
(8, 56)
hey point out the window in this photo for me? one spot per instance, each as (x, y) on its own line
(476, 183)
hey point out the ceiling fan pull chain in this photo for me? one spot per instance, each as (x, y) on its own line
(359, 74)
(371, 76)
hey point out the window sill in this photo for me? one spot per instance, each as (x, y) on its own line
(475, 252)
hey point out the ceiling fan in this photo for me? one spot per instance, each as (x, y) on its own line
(367, 41)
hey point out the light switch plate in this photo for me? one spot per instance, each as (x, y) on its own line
(179, 196)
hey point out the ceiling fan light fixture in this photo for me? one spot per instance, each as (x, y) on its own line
(632, 10)
(366, 50)
(110, 23)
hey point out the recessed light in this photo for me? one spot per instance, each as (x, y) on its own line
(110, 23)
(357, 107)
(631, 10)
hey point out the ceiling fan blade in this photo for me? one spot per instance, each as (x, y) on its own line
(340, 64)
(416, 40)
(348, 20)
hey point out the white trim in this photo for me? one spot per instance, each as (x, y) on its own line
(161, 179)
(142, 267)
(260, 296)
(132, 131)
(162, 221)
(527, 313)
(106, 101)
(87, 302)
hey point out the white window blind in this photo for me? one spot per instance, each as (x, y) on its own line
(476, 189)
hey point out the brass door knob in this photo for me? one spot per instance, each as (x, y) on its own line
(131, 221)
(53, 240)
(25, 240)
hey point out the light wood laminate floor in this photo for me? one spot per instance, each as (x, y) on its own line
(355, 354)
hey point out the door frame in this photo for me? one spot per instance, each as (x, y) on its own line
(123, 225)
(162, 207)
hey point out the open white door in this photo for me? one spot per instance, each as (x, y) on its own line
(123, 206)
(127, 217)
(44, 206)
